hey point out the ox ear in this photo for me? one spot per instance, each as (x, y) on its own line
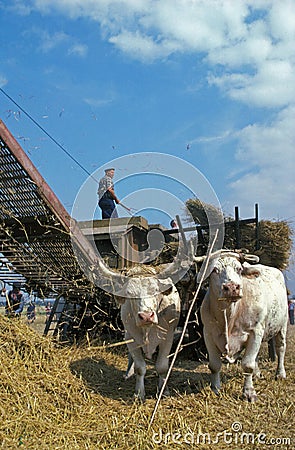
(166, 286)
(119, 300)
(250, 272)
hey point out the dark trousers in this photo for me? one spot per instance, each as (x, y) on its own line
(108, 208)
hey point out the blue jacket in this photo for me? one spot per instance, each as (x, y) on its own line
(15, 302)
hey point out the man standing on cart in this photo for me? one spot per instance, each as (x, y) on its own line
(107, 197)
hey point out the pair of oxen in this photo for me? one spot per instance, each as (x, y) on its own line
(245, 304)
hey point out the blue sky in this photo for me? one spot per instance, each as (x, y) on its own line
(209, 81)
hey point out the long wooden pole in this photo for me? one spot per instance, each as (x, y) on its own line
(184, 329)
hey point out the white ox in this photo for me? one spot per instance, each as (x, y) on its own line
(244, 305)
(150, 310)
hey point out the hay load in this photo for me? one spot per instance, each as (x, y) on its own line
(167, 254)
(200, 211)
(275, 243)
(275, 237)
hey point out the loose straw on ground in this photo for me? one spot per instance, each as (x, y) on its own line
(184, 328)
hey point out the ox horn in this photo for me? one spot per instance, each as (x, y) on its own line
(105, 270)
(241, 256)
(225, 252)
(100, 270)
(216, 254)
(199, 259)
(251, 258)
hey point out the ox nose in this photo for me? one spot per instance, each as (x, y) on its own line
(147, 317)
(231, 289)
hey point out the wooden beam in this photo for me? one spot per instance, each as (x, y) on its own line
(257, 230)
(181, 231)
(237, 228)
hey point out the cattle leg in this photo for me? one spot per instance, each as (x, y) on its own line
(256, 372)
(250, 366)
(162, 363)
(214, 365)
(280, 343)
(130, 368)
(139, 370)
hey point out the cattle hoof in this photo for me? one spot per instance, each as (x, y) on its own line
(138, 398)
(128, 375)
(280, 376)
(216, 391)
(250, 397)
(166, 393)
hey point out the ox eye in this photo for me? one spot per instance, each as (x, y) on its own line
(215, 270)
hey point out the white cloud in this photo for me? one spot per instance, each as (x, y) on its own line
(78, 50)
(218, 138)
(265, 144)
(266, 153)
(20, 7)
(245, 52)
(143, 47)
(253, 38)
(98, 102)
(262, 188)
(272, 85)
(51, 41)
(107, 12)
(45, 41)
(282, 20)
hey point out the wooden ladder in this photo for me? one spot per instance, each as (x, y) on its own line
(55, 317)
